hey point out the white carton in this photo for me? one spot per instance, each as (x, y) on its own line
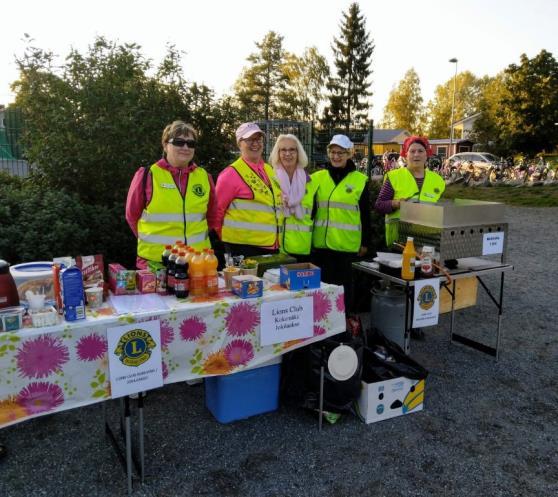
(390, 398)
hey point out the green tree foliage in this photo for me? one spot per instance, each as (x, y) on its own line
(404, 108)
(88, 128)
(306, 79)
(260, 83)
(350, 88)
(521, 107)
(468, 92)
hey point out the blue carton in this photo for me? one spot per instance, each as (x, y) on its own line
(73, 297)
(247, 286)
(300, 276)
(241, 395)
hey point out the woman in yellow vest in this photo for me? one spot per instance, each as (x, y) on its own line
(250, 214)
(342, 227)
(173, 199)
(289, 159)
(413, 182)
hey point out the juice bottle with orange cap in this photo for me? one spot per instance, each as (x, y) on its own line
(211, 276)
(196, 272)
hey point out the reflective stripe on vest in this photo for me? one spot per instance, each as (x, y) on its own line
(170, 217)
(337, 224)
(297, 233)
(256, 221)
(405, 187)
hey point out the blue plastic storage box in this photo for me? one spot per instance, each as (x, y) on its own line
(241, 395)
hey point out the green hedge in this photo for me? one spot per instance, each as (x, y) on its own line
(40, 223)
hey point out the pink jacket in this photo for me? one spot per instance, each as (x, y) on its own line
(138, 199)
(230, 186)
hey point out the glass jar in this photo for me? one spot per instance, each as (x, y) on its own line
(427, 258)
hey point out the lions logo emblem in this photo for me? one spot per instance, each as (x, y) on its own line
(134, 347)
(426, 297)
(198, 190)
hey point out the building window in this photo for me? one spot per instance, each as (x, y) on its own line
(443, 151)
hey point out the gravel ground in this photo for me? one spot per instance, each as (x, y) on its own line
(488, 429)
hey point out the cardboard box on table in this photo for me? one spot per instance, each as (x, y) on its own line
(300, 276)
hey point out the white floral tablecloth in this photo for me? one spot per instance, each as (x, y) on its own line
(44, 370)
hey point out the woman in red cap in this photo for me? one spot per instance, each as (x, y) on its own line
(415, 182)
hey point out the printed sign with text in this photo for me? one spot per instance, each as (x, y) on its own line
(135, 358)
(286, 320)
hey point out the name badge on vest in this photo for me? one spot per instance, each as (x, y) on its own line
(169, 186)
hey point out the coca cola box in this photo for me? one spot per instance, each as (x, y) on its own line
(300, 276)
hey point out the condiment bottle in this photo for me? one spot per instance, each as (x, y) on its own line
(426, 267)
(408, 262)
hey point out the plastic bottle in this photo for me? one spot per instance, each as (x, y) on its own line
(166, 253)
(408, 263)
(211, 276)
(196, 272)
(170, 271)
(181, 276)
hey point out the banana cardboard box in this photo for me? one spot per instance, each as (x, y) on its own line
(390, 398)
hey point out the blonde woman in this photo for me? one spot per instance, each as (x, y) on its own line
(289, 160)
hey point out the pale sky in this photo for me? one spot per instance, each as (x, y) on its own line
(217, 35)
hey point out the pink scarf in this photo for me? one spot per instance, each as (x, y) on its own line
(292, 191)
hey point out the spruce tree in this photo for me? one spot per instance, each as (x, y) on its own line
(350, 89)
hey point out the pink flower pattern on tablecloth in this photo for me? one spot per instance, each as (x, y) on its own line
(319, 330)
(165, 370)
(239, 352)
(322, 305)
(41, 357)
(242, 319)
(167, 334)
(340, 302)
(40, 396)
(192, 328)
(91, 347)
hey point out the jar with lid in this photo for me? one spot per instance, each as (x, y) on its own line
(427, 258)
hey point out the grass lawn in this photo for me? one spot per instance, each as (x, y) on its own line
(533, 196)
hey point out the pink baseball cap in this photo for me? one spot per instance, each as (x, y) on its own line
(246, 130)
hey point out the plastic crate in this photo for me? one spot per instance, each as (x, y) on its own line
(241, 395)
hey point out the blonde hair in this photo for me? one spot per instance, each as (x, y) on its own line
(176, 129)
(274, 156)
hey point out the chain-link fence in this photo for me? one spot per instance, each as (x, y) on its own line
(12, 160)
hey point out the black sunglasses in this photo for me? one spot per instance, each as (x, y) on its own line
(179, 142)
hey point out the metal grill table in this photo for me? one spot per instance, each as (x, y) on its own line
(476, 267)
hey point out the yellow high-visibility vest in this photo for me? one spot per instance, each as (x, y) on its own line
(337, 224)
(257, 221)
(170, 217)
(297, 233)
(405, 187)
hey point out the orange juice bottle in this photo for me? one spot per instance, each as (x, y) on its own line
(211, 277)
(196, 272)
(408, 262)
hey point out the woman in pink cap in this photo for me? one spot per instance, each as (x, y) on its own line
(249, 213)
(415, 181)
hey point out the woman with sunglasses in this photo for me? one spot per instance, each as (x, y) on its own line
(171, 200)
(342, 227)
(289, 159)
(249, 199)
(415, 181)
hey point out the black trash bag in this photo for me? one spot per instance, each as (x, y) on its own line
(384, 360)
(300, 381)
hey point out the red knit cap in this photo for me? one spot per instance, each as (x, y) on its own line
(416, 139)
